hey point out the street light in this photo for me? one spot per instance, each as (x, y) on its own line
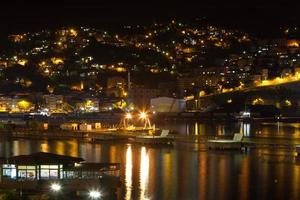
(94, 194)
(55, 187)
(143, 115)
(128, 116)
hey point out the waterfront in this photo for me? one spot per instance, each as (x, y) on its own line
(188, 170)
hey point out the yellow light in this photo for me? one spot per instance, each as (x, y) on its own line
(143, 115)
(258, 101)
(22, 62)
(229, 101)
(23, 104)
(57, 61)
(88, 103)
(73, 32)
(120, 69)
(189, 59)
(293, 43)
(128, 116)
(42, 63)
(202, 93)
(288, 102)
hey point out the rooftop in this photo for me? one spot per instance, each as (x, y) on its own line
(42, 158)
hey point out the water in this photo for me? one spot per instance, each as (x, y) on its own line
(187, 171)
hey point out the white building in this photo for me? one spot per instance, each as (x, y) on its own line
(54, 103)
(85, 127)
(69, 126)
(166, 104)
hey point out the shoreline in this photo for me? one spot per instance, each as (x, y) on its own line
(248, 142)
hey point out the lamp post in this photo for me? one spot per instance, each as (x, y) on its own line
(126, 120)
(146, 120)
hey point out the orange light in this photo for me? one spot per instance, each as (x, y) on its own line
(128, 116)
(143, 115)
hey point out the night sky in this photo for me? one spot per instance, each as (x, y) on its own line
(25, 15)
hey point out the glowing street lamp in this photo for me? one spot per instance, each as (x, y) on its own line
(55, 187)
(94, 194)
(128, 116)
(143, 115)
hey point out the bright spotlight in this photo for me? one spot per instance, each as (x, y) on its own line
(128, 116)
(55, 187)
(94, 194)
(143, 115)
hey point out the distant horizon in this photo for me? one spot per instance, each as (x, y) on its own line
(275, 31)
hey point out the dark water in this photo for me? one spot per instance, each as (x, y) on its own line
(188, 171)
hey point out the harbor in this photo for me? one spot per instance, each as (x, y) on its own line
(138, 146)
(156, 172)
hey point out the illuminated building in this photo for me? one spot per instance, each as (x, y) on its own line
(54, 103)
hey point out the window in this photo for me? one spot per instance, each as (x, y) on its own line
(9, 171)
(53, 173)
(44, 173)
(27, 172)
(49, 171)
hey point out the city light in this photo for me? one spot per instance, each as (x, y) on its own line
(55, 187)
(143, 115)
(288, 102)
(23, 104)
(94, 194)
(258, 101)
(128, 116)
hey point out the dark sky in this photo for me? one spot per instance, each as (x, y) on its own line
(23, 15)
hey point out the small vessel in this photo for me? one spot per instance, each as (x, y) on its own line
(163, 139)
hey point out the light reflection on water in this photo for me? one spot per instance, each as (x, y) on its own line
(204, 129)
(180, 173)
(128, 173)
(144, 174)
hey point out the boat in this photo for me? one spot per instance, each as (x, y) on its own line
(163, 139)
(234, 144)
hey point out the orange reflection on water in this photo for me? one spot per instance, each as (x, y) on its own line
(223, 178)
(73, 148)
(144, 173)
(244, 179)
(113, 154)
(203, 171)
(196, 128)
(296, 181)
(60, 147)
(44, 147)
(128, 173)
(21, 147)
(16, 148)
(167, 181)
(219, 130)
